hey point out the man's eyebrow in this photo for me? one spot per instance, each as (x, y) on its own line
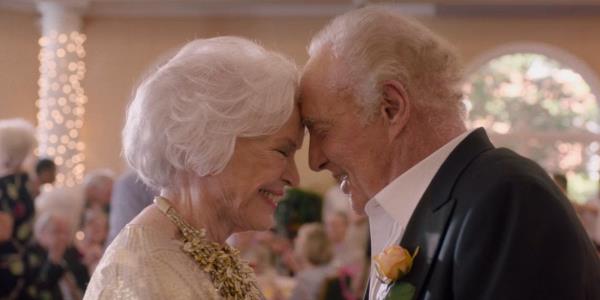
(311, 123)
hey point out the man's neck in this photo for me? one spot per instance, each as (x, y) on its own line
(416, 145)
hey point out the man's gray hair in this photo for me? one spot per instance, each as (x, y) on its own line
(186, 116)
(374, 44)
(17, 141)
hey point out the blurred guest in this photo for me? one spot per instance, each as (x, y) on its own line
(358, 256)
(259, 257)
(45, 173)
(17, 140)
(41, 272)
(75, 262)
(66, 201)
(286, 261)
(314, 251)
(97, 187)
(51, 280)
(350, 281)
(129, 197)
(336, 225)
(349, 255)
(45, 170)
(92, 236)
(261, 249)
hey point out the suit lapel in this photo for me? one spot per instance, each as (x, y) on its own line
(428, 223)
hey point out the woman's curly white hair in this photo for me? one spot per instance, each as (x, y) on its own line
(186, 116)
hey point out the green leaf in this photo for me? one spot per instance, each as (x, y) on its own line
(401, 291)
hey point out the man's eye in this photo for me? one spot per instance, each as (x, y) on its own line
(285, 154)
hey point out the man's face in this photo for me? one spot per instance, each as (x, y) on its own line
(339, 139)
(48, 176)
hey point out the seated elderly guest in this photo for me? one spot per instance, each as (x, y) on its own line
(17, 140)
(215, 129)
(44, 272)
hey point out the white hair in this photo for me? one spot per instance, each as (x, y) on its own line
(17, 141)
(185, 116)
(64, 201)
(98, 178)
(45, 219)
(374, 44)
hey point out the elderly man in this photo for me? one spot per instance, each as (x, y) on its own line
(381, 99)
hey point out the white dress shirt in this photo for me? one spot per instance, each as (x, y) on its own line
(390, 210)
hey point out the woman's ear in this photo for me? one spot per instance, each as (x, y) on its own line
(395, 107)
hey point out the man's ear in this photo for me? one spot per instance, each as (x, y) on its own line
(395, 107)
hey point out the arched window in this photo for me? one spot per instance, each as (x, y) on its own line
(540, 106)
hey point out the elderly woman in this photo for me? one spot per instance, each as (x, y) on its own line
(215, 129)
(17, 140)
(44, 267)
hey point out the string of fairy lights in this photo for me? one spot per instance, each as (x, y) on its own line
(61, 104)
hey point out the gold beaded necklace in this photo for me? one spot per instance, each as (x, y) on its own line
(231, 276)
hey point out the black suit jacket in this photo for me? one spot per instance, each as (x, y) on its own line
(493, 225)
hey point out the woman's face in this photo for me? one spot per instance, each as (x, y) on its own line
(253, 181)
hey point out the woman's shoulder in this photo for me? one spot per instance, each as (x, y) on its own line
(148, 266)
(143, 239)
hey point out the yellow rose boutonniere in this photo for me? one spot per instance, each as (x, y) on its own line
(394, 262)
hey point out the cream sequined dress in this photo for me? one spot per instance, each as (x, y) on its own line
(146, 262)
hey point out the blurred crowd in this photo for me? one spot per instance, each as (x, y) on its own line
(326, 259)
(51, 238)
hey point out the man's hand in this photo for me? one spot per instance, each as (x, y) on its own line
(6, 226)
